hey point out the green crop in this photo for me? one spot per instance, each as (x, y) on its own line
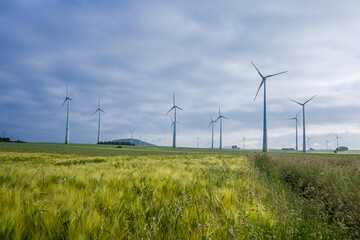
(52, 191)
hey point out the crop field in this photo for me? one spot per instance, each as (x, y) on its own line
(52, 191)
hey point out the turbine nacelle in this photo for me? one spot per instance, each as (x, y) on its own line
(174, 108)
(302, 104)
(66, 99)
(295, 118)
(220, 116)
(98, 109)
(211, 121)
(264, 78)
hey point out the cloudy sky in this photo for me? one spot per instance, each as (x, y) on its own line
(135, 54)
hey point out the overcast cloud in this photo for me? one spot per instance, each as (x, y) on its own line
(135, 54)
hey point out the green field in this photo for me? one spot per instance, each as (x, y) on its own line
(79, 191)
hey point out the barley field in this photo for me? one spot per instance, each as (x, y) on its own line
(50, 191)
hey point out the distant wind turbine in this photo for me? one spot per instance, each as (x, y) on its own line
(263, 82)
(337, 140)
(308, 142)
(132, 131)
(220, 117)
(197, 141)
(174, 122)
(67, 99)
(98, 110)
(212, 131)
(327, 144)
(296, 126)
(303, 108)
(244, 141)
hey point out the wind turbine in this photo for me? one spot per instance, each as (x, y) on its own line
(303, 108)
(263, 82)
(220, 117)
(67, 99)
(197, 141)
(327, 144)
(174, 122)
(212, 131)
(132, 131)
(244, 141)
(337, 141)
(98, 110)
(308, 142)
(296, 125)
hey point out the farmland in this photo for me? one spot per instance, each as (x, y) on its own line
(50, 191)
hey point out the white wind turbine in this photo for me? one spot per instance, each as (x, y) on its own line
(99, 110)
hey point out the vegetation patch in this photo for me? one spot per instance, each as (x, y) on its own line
(80, 162)
(72, 192)
(327, 187)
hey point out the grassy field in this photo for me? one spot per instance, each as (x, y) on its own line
(53, 191)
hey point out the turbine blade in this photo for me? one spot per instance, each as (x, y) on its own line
(309, 99)
(170, 110)
(257, 70)
(174, 98)
(219, 112)
(297, 114)
(102, 110)
(262, 82)
(69, 99)
(179, 108)
(224, 117)
(275, 74)
(63, 102)
(210, 117)
(296, 102)
(95, 111)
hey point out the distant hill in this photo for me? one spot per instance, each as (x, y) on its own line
(135, 141)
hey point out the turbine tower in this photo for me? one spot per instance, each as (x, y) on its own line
(174, 122)
(263, 82)
(337, 141)
(132, 131)
(67, 99)
(296, 126)
(220, 117)
(212, 131)
(98, 110)
(303, 108)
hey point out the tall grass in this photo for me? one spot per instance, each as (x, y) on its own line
(46, 196)
(178, 196)
(325, 188)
